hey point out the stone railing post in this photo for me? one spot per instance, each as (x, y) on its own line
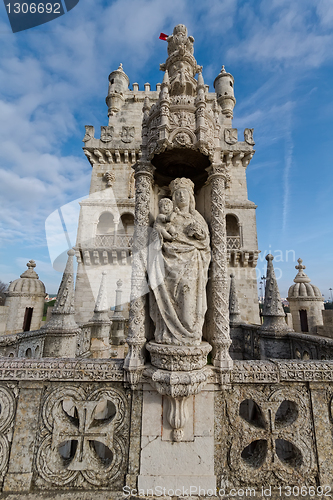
(134, 362)
(219, 269)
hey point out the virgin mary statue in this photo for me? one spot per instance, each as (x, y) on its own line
(178, 269)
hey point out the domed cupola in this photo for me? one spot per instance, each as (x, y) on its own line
(28, 283)
(302, 287)
(306, 302)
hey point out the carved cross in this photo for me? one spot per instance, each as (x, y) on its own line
(84, 430)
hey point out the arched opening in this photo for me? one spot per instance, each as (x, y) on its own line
(127, 224)
(105, 231)
(105, 224)
(28, 353)
(303, 316)
(233, 232)
(181, 162)
(27, 319)
(125, 231)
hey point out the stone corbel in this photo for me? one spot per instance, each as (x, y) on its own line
(178, 387)
(178, 372)
(247, 158)
(100, 156)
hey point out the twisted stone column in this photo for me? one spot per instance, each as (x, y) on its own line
(134, 361)
(219, 269)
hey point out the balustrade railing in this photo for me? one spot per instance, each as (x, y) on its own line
(233, 242)
(113, 241)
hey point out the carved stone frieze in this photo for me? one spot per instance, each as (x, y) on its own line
(178, 358)
(307, 371)
(182, 100)
(182, 119)
(59, 369)
(82, 439)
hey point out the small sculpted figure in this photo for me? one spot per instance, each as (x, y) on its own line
(163, 220)
(180, 41)
(178, 270)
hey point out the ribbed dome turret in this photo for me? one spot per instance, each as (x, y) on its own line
(303, 288)
(28, 283)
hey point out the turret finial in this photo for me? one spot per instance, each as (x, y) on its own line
(301, 276)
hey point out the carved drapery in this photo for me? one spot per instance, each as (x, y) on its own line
(134, 361)
(219, 269)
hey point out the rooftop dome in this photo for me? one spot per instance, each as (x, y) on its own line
(28, 283)
(303, 288)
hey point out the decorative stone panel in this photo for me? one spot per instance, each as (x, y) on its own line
(266, 437)
(83, 438)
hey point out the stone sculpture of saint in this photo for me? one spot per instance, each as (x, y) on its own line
(178, 270)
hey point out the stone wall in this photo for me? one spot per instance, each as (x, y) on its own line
(70, 429)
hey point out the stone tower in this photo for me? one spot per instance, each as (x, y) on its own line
(306, 302)
(25, 301)
(106, 222)
(182, 129)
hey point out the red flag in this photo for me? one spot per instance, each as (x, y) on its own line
(163, 36)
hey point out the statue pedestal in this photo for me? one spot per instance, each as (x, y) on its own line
(177, 372)
(178, 358)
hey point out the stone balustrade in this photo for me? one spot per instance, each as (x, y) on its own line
(69, 428)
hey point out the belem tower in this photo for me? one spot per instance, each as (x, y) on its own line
(155, 375)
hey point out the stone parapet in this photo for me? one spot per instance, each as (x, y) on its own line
(69, 429)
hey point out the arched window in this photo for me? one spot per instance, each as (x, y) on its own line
(303, 316)
(233, 232)
(126, 225)
(105, 224)
(126, 230)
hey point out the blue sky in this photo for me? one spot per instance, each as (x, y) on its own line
(54, 79)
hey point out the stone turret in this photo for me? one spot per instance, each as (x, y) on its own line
(306, 302)
(224, 88)
(118, 85)
(62, 330)
(25, 301)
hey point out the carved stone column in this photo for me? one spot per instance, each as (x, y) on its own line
(134, 362)
(219, 269)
